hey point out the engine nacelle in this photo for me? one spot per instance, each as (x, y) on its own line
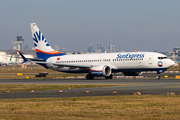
(103, 70)
(132, 73)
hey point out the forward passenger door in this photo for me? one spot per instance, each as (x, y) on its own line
(150, 59)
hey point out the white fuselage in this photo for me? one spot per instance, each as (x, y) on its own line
(4, 62)
(118, 62)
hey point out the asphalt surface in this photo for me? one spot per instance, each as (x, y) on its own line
(153, 75)
(145, 86)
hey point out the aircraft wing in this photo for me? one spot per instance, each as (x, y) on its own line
(66, 65)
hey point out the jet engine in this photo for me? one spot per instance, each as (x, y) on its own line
(103, 70)
(132, 73)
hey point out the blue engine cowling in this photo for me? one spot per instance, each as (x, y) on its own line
(103, 70)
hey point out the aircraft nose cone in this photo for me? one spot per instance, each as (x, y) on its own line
(172, 63)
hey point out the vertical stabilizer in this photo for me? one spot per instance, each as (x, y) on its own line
(42, 47)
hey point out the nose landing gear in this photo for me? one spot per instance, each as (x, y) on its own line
(158, 73)
(158, 76)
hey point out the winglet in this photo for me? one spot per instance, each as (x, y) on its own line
(25, 59)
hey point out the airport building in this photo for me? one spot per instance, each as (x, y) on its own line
(90, 49)
(3, 56)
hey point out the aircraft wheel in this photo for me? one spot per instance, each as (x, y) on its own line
(158, 77)
(89, 77)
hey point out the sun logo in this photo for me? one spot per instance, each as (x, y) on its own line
(39, 38)
(160, 63)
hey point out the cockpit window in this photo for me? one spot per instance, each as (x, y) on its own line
(162, 58)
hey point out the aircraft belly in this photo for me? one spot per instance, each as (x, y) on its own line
(67, 69)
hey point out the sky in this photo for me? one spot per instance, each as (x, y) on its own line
(145, 25)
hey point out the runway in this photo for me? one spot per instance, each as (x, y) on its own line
(153, 75)
(145, 86)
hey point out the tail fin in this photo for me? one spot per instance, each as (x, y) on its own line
(42, 47)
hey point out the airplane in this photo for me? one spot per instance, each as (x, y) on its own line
(96, 65)
(5, 62)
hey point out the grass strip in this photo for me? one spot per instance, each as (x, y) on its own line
(106, 107)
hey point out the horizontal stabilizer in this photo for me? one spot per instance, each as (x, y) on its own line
(35, 59)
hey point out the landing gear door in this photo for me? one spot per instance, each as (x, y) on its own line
(150, 59)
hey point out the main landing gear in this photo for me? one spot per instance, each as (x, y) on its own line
(89, 77)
